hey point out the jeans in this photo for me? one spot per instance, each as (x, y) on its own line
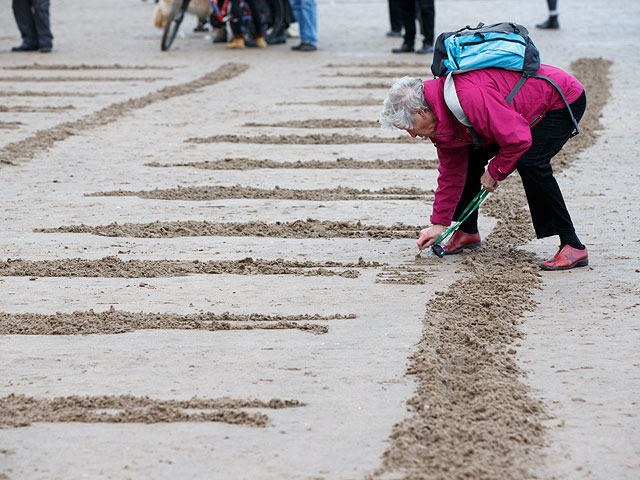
(32, 17)
(306, 12)
(549, 213)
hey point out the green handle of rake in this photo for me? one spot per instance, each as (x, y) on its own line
(469, 209)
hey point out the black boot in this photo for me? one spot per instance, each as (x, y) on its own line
(403, 49)
(426, 48)
(550, 24)
(202, 25)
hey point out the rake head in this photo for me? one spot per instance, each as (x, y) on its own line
(438, 250)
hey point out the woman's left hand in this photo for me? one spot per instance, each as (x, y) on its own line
(488, 182)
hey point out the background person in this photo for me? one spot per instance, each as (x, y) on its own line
(426, 17)
(420, 109)
(426, 13)
(552, 21)
(395, 19)
(236, 25)
(32, 18)
(306, 12)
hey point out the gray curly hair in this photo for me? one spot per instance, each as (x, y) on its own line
(405, 97)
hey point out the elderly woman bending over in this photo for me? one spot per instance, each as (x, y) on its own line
(507, 142)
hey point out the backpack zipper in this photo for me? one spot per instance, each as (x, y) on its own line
(462, 45)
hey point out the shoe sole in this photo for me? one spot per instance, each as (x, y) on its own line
(579, 263)
(471, 245)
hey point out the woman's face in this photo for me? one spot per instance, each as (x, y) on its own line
(424, 126)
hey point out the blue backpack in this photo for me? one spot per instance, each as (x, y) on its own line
(503, 45)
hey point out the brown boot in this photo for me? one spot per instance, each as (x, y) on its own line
(261, 42)
(237, 42)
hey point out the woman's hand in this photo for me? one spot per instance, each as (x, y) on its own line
(429, 235)
(488, 182)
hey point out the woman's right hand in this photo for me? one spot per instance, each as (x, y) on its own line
(429, 235)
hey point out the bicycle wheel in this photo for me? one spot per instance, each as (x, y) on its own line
(174, 19)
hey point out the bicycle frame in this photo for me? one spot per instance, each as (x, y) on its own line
(222, 14)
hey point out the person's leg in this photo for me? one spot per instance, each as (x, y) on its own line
(478, 159)
(306, 12)
(43, 28)
(428, 15)
(427, 21)
(310, 16)
(236, 25)
(552, 21)
(236, 18)
(255, 16)
(395, 18)
(296, 9)
(467, 235)
(409, 22)
(548, 210)
(26, 24)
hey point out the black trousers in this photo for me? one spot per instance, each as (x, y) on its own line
(549, 213)
(236, 21)
(395, 15)
(32, 17)
(426, 10)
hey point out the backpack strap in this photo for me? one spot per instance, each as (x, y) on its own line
(516, 89)
(573, 119)
(453, 103)
(555, 85)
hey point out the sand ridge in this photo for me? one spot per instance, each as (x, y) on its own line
(29, 109)
(19, 79)
(309, 228)
(84, 66)
(377, 74)
(238, 191)
(409, 273)
(311, 139)
(356, 87)
(114, 321)
(355, 102)
(114, 267)
(22, 411)
(389, 64)
(339, 163)
(44, 139)
(319, 123)
(31, 93)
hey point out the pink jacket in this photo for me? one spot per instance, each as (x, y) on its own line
(482, 96)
